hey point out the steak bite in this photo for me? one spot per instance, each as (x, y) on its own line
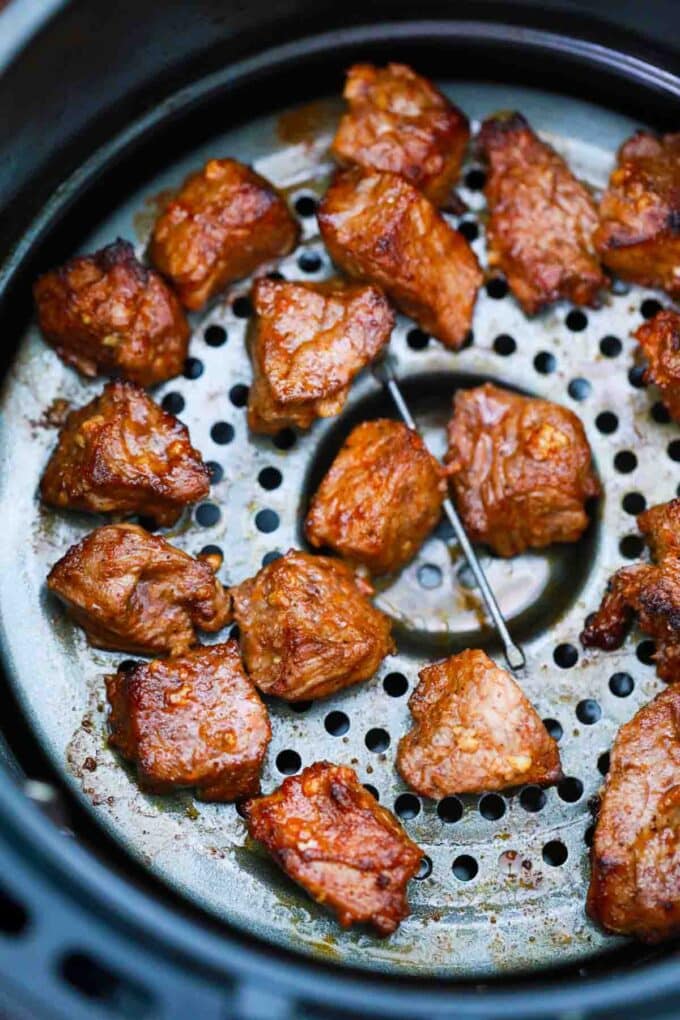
(193, 721)
(107, 314)
(520, 468)
(635, 882)
(124, 454)
(307, 627)
(331, 836)
(379, 228)
(134, 592)
(648, 591)
(639, 233)
(398, 121)
(223, 223)
(660, 342)
(310, 341)
(474, 731)
(542, 223)
(380, 498)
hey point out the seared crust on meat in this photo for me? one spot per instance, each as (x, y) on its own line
(660, 342)
(309, 342)
(520, 469)
(543, 220)
(474, 731)
(134, 592)
(639, 233)
(107, 314)
(193, 721)
(398, 121)
(648, 591)
(223, 223)
(380, 498)
(635, 882)
(378, 227)
(124, 454)
(307, 627)
(331, 836)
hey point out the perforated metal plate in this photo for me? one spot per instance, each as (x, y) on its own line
(504, 881)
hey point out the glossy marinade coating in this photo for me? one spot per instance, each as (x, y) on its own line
(474, 731)
(660, 342)
(379, 228)
(639, 234)
(123, 454)
(107, 314)
(520, 469)
(309, 342)
(134, 592)
(331, 836)
(635, 882)
(380, 498)
(222, 224)
(398, 121)
(543, 220)
(193, 721)
(649, 592)
(307, 627)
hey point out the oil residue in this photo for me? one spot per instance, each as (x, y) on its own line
(304, 124)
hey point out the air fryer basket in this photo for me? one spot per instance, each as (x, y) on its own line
(502, 888)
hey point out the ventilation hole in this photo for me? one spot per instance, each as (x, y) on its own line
(207, 514)
(270, 478)
(545, 362)
(532, 798)
(98, 982)
(240, 806)
(576, 320)
(660, 413)
(270, 557)
(336, 723)
(127, 665)
(429, 576)
(242, 307)
(465, 868)
(425, 869)
(235, 632)
(377, 740)
(222, 433)
(193, 368)
(284, 439)
(579, 389)
(555, 853)
(645, 652)
(407, 806)
(603, 763)
(565, 656)
(13, 917)
(589, 835)
(215, 336)
(148, 523)
(395, 684)
(554, 728)
(631, 547)
(465, 577)
(475, 179)
(570, 789)
(674, 450)
(606, 422)
(211, 550)
(625, 461)
(492, 807)
(611, 346)
(215, 471)
(504, 345)
(288, 762)
(634, 503)
(275, 276)
(636, 376)
(649, 308)
(444, 530)
(372, 790)
(588, 711)
(497, 287)
(309, 262)
(468, 340)
(238, 395)
(300, 706)
(266, 521)
(305, 205)
(450, 810)
(621, 684)
(619, 287)
(173, 403)
(417, 339)
(469, 230)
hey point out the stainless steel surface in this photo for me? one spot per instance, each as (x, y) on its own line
(519, 910)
